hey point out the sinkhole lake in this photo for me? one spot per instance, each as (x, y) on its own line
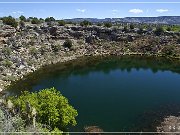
(129, 93)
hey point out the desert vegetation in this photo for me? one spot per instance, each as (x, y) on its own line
(43, 111)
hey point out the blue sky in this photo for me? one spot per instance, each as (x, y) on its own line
(89, 10)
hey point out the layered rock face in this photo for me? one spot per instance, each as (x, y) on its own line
(26, 49)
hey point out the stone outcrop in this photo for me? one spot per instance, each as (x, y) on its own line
(170, 124)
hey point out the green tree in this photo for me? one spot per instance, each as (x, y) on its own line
(140, 31)
(10, 21)
(41, 20)
(67, 43)
(22, 18)
(61, 22)
(35, 20)
(49, 19)
(108, 24)
(52, 108)
(159, 31)
(168, 29)
(85, 23)
(131, 26)
(22, 24)
(125, 29)
(99, 24)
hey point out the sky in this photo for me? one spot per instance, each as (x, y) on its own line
(89, 8)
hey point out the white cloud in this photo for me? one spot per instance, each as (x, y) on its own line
(20, 12)
(114, 11)
(17, 12)
(81, 10)
(136, 11)
(162, 10)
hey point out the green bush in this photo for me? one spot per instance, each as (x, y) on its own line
(22, 24)
(168, 50)
(52, 108)
(61, 22)
(35, 20)
(168, 29)
(67, 43)
(99, 24)
(22, 18)
(178, 40)
(10, 21)
(159, 31)
(131, 26)
(6, 50)
(56, 47)
(108, 24)
(33, 51)
(125, 29)
(140, 31)
(7, 63)
(41, 20)
(85, 23)
(49, 19)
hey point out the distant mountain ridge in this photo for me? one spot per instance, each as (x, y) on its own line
(155, 20)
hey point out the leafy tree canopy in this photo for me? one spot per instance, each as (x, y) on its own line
(108, 24)
(52, 108)
(22, 18)
(61, 22)
(49, 19)
(35, 20)
(10, 21)
(85, 23)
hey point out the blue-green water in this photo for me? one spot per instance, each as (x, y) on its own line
(116, 94)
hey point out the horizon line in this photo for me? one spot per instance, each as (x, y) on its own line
(76, 2)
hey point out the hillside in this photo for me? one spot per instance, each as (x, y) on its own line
(154, 20)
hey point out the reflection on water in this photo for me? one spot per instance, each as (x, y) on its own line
(115, 93)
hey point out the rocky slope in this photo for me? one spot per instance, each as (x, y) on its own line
(26, 49)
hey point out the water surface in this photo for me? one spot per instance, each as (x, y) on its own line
(114, 93)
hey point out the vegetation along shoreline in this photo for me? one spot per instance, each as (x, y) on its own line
(28, 44)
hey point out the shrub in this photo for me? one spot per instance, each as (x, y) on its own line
(99, 24)
(41, 20)
(49, 19)
(22, 18)
(22, 24)
(35, 20)
(159, 31)
(108, 24)
(131, 26)
(7, 63)
(12, 123)
(168, 50)
(6, 50)
(85, 23)
(56, 47)
(125, 29)
(178, 40)
(33, 51)
(10, 21)
(52, 108)
(67, 43)
(140, 31)
(61, 22)
(169, 29)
